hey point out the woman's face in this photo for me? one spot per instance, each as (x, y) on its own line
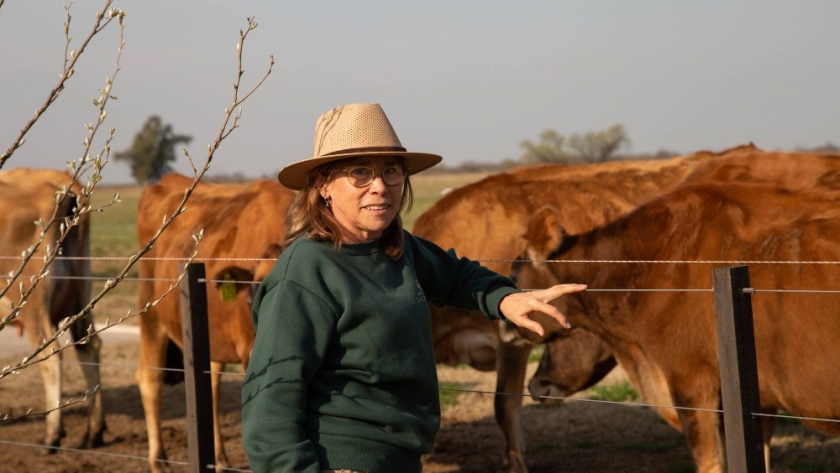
(364, 212)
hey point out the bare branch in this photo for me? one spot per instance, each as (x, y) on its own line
(83, 206)
(103, 18)
(224, 131)
(5, 418)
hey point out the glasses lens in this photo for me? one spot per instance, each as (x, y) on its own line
(393, 175)
(360, 176)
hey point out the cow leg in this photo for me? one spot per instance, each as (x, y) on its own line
(512, 364)
(707, 439)
(51, 375)
(216, 369)
(153, 345)
(37, 329)
(703, 429)
(89, 356)
(705, 442)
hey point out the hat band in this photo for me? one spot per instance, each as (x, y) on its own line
(378, 149)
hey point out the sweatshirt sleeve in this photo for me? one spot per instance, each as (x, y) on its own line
(459, 282)
(293, 331)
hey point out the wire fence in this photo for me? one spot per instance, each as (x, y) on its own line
(460, 390)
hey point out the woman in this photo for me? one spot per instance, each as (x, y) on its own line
(342, 376)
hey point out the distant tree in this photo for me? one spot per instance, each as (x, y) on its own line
(548, 150)
(829, 147)
(466, 167)
(509, 163)
(658, 154)
(598, 146)
(665, 154)
(234, 178)
(152, 150)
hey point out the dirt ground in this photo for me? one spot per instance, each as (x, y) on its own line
(575, 437)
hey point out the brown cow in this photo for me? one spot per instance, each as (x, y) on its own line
(487, 220)
(793, 171)
(238, 222)
(665, 341)
(30, 194)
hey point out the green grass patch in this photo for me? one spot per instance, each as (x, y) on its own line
(811, 465)
(543, 446)
(681, 466)
(651, 447)
(114, 229)
(618, 392)
(427, 190)
(449, 398)
(586, 443)
(786, 421)
(536, 354)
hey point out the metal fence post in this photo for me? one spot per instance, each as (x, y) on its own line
(197, 369)
(738, 370)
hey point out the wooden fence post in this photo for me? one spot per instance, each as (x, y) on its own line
(738, 370)
(197, 369)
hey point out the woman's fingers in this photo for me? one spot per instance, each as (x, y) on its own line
(553, 292)
(532, 325)
(549, 294)
(550, 310)
(519, 307)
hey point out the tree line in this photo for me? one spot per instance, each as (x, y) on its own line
(153, 151)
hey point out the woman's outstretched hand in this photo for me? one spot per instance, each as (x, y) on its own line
(519, 306)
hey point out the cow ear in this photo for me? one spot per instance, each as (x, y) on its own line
(545, 233)
(232, 279)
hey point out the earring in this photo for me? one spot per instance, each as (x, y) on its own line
(328, 200)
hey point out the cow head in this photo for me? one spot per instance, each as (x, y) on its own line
(544, 238)
(574, 359)
(571, 363)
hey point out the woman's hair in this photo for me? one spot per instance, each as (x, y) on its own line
(309, 215)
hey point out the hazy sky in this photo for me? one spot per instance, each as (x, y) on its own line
(466, 79)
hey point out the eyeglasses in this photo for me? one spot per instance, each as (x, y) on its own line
(363, 176)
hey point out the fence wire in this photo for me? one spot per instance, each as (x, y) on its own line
(482, 392)
(480, 260)
(473, 391)
(89, 452)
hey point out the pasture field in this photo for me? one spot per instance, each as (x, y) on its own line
(114, 234)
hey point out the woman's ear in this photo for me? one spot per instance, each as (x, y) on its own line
(321, 184)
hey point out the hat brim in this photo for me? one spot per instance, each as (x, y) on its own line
(295, 176)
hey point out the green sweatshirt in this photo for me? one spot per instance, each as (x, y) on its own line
(342, 374)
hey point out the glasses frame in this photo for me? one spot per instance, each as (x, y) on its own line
(346, 171)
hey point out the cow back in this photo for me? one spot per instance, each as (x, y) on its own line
(238, 222)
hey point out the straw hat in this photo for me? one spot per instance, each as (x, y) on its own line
(358, 129)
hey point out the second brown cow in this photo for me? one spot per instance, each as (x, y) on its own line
(665, 341)
(239, 222)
